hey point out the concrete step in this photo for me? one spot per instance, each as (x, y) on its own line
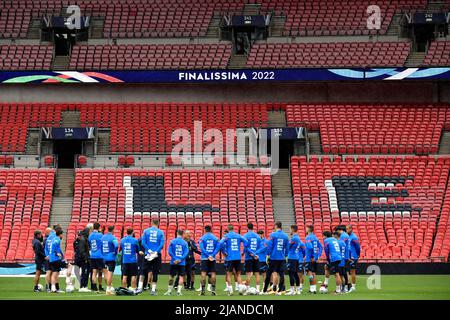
(283, 205)
(277, 26)
(251, 9)
(415, 59)
(315, 146)
(97, 27)
(33, 141)
(393, 29)
(61, 214)
(445, 143)
(276, 119)
(103, 142)
(214, 27)
(60, 63)
(237, 61)
(71, 119)
(34, 30)
(64, 182)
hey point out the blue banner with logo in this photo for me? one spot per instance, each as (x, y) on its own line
(217, 76)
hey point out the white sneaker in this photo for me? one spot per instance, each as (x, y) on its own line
(199, 289)
(290, 293)
(225, 290)
(209, 289)
(352, 289)
(84, 290)
(299, 291)
(168, 293)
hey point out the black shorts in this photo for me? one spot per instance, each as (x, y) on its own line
(277, 266)
(352, 264)
(56, 266)
(301, 267)
(46, 265)
(333, 267)
(208, 266)
(152, 266)
(251, 265)
(234, 265)
(262, 267)
(129, 269)
(97, 264)
(177, 270)
(311, 267)
(292, 265)
(342, 271)
(40, 265)
(110, 265)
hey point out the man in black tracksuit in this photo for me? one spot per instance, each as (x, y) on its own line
(81, 249)
(39, 258)
(190, 262)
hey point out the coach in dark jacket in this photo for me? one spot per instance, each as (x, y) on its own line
(81, 249)
(39, 257)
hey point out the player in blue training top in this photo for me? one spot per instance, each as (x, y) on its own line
(293, 261)
(277, 250)
(301, 265)
(355, 252)
(129, 246)
(49, 234)
(110, 247)
(226, 264)
(178, 251)
(333, 254)
(153, 243)
(251, 264)
(312, 254)
(96, 262)
(262, 258)
(209, 248)
(56, 259)
(342, 230)
(232, 242)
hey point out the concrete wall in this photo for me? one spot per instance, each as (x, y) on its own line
(373, 92)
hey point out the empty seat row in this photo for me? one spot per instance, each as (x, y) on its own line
(26, 57)
(365, 129)
(339, 54)
(393, 203)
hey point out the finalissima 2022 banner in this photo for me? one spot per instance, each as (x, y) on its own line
(215, 76)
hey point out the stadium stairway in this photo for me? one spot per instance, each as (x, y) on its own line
(277, 26)
(251, 9)
(103, 141)
(33, 141)
(61, 213)
(237, 61)
(276, 119)
(64, 184)
(394, 27)
(283, 205)
(34, 30)
(71, 119)
(314, 143)
(61, 63)
(415, 59)
(444, 147)
(97, 26)
(214, 27)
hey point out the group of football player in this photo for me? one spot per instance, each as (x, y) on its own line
(267, 260)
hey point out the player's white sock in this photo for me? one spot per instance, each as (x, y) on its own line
(354, 285)
(338, 289)
(258, 287)
(169, 288)
(325, 282)
(292, 290)
(230, 289)
(301, 286)
(236, 286)
(179, 289)
(141, 285)
(53, 288)
(153, 286)
(313, 288)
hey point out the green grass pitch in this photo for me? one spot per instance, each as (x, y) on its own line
(393, 287)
